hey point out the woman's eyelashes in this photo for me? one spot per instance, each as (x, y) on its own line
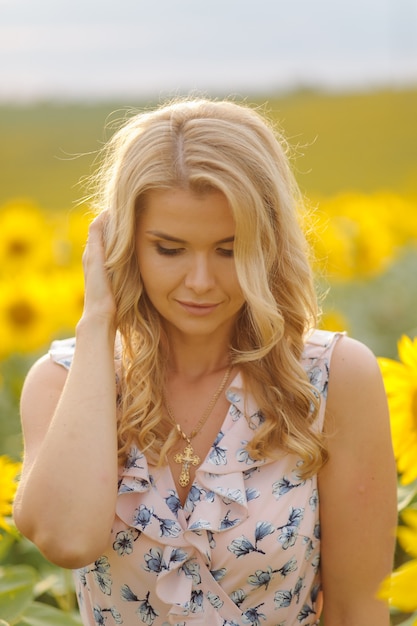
(167, 251)
(227, 252)
(163, 250)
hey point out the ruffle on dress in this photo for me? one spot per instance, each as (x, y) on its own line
(217, 500)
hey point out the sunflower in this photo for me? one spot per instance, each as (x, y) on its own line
(26, 314)
(400, 588)
(358, 238)
(8, 472)
(400, 379)
(25, 238)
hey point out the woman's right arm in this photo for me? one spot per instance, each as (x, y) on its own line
(66, 497)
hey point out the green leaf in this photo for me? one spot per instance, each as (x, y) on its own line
(408, 622)
(406, 495)
(40, 614)
(16, 590)
(6, 542)
(3, 623)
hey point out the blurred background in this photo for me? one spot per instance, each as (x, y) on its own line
(339, 78)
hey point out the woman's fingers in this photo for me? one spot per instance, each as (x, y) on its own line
(98, 294)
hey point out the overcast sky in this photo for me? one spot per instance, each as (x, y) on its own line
(89, 49)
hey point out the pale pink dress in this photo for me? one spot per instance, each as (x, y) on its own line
(245, 548)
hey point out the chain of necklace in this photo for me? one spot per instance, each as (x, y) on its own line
(187, 457)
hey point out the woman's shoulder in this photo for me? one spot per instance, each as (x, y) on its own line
(354, 363)
(350, 359)
(355, 385)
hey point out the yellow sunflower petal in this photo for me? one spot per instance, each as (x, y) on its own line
(8, 472)
(400, 588)
(400, 380)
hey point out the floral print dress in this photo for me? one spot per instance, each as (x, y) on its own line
(243, 551)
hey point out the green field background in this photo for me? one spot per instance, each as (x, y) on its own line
(355, 141)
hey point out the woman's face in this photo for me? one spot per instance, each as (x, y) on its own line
(184, 246)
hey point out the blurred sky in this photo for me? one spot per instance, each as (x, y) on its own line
(94, 49)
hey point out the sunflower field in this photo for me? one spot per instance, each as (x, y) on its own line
(364, 245)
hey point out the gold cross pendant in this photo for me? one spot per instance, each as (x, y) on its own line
(187, 458)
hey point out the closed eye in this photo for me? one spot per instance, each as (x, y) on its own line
(227, 252)
(167, 251)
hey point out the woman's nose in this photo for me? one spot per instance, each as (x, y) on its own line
(200, 277)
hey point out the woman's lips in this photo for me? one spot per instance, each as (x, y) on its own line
(199, 309)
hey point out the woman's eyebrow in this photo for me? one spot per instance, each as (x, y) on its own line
(166, 237)
(161, 235)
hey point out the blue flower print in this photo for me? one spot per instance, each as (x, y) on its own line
(219, 574)
(252, 494)
(133, 459)
(177, 556)
(238, 596)
(226, 522)
(194, 495)
(199, 525)
(234, 398)
(217, 454)
(243, 455)
(214, 600)
(142, 516)
(298, 587)
(140, 485)
(168, 527)
(192, 570)
(145, 611)
(289, 532)
(124, 541)
(310, 547)
(253, 616)
(317, 530)
(82, 575)
(282, 599)
(196, 602)
(256, 420)
(288, 567)
(314, 500)
(241, 546)
(316, 563)
(247, 474)
(319, 377)
(262, 530)
(100, 618)
(231, 495)
(154, 561)
(102, 576)
(173, 502)
(261, 578)
(305, 612)
(284, 486)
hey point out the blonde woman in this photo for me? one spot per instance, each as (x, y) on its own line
(199, 454)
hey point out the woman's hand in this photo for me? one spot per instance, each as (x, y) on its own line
(98, 300)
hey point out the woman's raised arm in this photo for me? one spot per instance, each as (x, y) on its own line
(66, 497)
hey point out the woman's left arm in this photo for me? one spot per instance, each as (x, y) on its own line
(358, 500)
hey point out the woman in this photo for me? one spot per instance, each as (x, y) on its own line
(252, 454)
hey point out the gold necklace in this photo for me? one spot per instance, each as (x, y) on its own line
(187, 457)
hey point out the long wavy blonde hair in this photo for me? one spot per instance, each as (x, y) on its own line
(204, 145)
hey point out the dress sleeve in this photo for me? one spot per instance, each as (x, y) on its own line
(62, 351)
